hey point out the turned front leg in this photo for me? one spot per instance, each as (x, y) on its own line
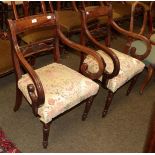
(46, 130)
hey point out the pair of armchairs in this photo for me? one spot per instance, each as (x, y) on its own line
(55, 88)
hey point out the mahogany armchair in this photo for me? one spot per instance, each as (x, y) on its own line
(140, 45)
(120, 67)
(55, 88)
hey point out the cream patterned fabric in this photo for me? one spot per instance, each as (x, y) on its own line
(152, 38)
(129, 67)
(63, 87)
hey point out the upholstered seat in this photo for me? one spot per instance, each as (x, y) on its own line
(5, 57)
(104, 20)
(36, 35)
(129, 67)
(122, 9)
(64, 88)
(141, 47)
(70, 20)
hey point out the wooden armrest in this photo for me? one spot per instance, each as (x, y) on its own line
(86, 50)
(134, 36)
(105, 49)
(38, 99)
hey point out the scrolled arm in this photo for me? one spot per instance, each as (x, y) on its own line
(88, 51)
(108, 51)
(38, 99)
(33, 96)
(136, 37)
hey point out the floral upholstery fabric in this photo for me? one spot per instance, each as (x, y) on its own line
(63, 87)
(129, 67)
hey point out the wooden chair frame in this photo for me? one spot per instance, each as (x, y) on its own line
(150, 68)
(20, 54)
(85, 34)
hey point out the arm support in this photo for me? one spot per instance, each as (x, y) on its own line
(85, 50)
(136, 37)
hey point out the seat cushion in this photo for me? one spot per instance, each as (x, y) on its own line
(37, 35)
(116, 16)
(141, 48)
(5, 57)
(122, 9)
(70, 20)
(129, 67)
(63, 87)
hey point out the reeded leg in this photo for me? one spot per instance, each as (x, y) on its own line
(46, 130)
(87, 108)
(18, 99)
(107, 104)
(150, 71)
(56, 51)
(133, 82)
